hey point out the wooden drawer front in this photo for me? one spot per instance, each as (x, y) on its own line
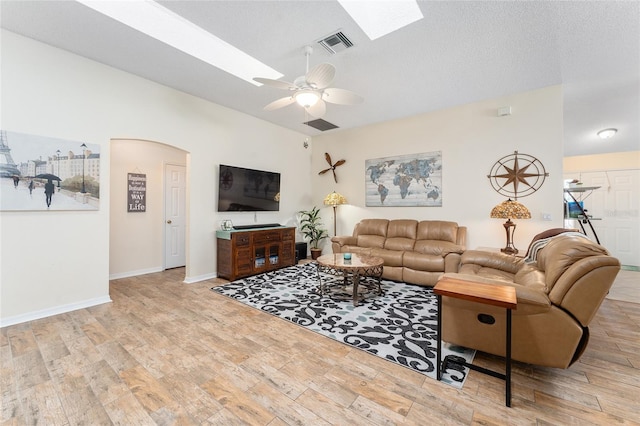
(243, 262)
(287, 249)
(288, 234)
(266, 237)
(242, 239)
(288, 257)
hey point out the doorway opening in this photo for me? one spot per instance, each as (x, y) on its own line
(138, 239)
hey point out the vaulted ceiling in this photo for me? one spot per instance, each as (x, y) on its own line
(460, 52)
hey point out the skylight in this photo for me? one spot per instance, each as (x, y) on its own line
(379, 18)
(158, 22)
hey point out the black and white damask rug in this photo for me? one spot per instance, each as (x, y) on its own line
(399, 326)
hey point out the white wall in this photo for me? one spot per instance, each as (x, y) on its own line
(602, 162)
(56, 261)
(471, 138)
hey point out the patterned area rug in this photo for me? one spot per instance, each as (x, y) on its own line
(399, 326)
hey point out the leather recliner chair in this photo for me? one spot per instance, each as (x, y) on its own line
(559, 288)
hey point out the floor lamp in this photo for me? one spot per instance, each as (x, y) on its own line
(334, 200)
(510, 210)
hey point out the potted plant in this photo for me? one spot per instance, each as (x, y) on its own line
(311, 228)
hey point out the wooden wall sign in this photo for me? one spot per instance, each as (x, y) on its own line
(136, 192)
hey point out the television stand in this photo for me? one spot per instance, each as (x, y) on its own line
(246, 252)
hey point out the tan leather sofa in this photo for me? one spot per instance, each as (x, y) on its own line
(415, 252)
(558, 296)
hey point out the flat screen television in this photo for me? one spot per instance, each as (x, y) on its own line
(247, 190)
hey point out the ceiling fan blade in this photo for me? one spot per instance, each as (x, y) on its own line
(321, 76)
(318, 109)
(341, 96)
(328, 158)
(323, 171)
(334, 175)
(339, 163)
(275, 83)
(280, 103)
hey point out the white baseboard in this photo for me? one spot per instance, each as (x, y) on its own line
(135, 273)
(187, 280)
(191, 280)
(56, 310)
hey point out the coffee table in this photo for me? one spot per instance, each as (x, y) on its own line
(360, 270)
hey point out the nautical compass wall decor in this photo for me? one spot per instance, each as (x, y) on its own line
(517, 175)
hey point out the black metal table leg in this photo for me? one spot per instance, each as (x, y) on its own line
(439, 337)
(356, 283)
(508, 361)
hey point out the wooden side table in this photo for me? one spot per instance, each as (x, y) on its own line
(488, 294)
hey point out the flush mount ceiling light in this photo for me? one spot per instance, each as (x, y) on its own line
(377, 19)
(158, 22)
(607, 133)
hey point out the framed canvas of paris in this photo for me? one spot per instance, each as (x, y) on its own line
(43, 173)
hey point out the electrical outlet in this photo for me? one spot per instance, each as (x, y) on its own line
(546, 216)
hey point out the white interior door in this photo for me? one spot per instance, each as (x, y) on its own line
(616, 206)
(175, 215)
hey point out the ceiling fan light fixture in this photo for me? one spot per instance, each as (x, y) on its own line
(307, 98)
(607, 133)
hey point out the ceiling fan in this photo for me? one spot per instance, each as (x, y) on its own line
(311, 91)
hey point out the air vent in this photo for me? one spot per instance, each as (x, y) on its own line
(336, 42)
(320, 124)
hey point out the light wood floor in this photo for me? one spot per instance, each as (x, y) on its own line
(165, 353)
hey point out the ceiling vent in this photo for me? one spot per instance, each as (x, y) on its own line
(336, 42)
(320, 124)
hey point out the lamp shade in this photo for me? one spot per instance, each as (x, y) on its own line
(510, 210)
(334, 199)
(307, 98)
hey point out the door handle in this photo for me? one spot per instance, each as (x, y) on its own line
(169, 221)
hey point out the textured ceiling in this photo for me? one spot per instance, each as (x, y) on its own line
(459, 53)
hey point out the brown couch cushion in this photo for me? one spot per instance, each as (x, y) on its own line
(437, 230)
(436, 247)
(563, 251)
(547, 234)
(390, 257)
(401, 234)
(403, 228)
(371, 241)
(402, 244)
(423, 262)
(371, 227)
(371, 233)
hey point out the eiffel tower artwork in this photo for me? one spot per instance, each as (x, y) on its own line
(8, 167)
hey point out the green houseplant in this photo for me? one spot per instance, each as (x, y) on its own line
(312, 229)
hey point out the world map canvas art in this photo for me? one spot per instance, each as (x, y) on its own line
(413, 180)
